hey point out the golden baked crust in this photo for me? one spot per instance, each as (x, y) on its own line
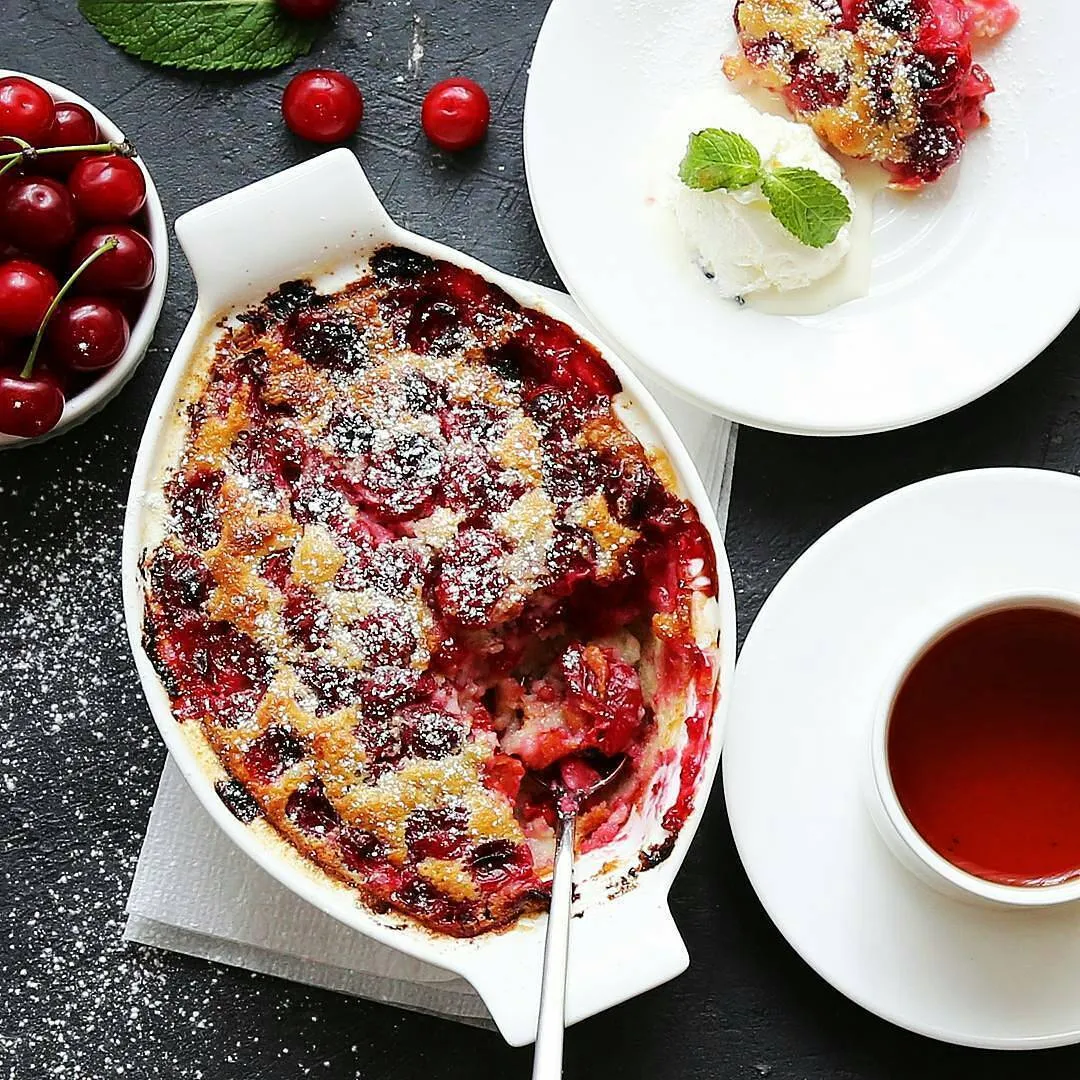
(415, 566)
(888, 80)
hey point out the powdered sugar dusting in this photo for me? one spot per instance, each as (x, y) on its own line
(79, 763)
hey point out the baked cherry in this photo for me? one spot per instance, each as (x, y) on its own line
(430, 733)
(130, 265)
(456, 114)
(323, 106)
(107, 188)
(29, 406)
(311, 810)
(26, 291)
(403, 472)
(182, 580)
(438, 833)
(276, 750)
(37, 214)
(471, 581)
(308, 9)
(72, 126)
(87, 333)
(26, 110)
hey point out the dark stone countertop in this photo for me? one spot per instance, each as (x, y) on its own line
(79, 755)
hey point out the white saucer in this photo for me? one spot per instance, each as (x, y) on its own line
(798, 737)
(971, 279)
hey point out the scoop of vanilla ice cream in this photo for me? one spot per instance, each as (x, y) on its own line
(732, 234)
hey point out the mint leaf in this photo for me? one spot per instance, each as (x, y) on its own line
(719, 159)
(202, 35)
(810, 207)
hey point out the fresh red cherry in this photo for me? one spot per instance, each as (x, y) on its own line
(32, 406)
(37, 214)
(130, 265)
(107, 188)
(87, 333)
(26, 110)
(308, 9)
(323, 106)
(26, 291)
(456, 114)
(72, 126)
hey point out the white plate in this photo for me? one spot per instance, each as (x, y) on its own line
(797, 750)
(971, 279)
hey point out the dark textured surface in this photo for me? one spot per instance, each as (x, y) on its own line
(79, 757)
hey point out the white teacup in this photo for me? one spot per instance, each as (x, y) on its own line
(893, 823)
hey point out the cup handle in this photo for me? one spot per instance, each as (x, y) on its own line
(246, 243)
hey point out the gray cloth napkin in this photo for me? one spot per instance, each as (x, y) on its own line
(196, 893)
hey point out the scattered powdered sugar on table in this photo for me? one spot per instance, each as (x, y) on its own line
(79, 762)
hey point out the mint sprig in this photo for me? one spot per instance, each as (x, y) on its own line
(202, 35)
(812, 208)
(720, 159)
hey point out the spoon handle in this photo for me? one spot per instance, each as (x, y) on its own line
(548, 1055)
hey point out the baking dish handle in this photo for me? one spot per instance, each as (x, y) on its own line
(287, 226)
(623, 948)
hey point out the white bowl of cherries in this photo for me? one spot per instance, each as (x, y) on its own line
(83, 259)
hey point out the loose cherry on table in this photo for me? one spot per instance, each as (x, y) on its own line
(308, 9)
(26, 110)
(456, 114)
(322, 105)
(107, 188)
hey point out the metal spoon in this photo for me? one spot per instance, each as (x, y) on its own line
(548, 1053)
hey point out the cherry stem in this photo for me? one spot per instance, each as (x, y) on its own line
(26, 152)
(11, 160)
(108, 244)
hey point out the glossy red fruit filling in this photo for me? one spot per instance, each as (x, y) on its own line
(607, 692)
(430, 733)
(436, 834)
(402, 472)
(182, 580)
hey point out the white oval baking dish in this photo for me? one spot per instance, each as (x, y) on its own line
(316, 220)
